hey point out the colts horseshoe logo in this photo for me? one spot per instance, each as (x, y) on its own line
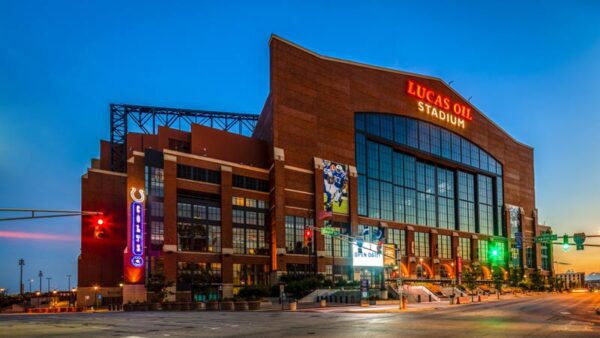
(135, 198)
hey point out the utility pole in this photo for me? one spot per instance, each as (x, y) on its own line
(40, 274)
(48, 278)
(69, 277)
(21, 286)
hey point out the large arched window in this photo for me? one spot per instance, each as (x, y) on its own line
(401, 180)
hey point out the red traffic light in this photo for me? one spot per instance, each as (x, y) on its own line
(308, 233)
(100, 221)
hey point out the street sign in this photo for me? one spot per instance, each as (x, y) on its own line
(330, 231)
(579, 238)
(545, 238)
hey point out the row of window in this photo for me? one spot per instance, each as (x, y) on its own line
(250, 183)
(198, 211)
(198, 174)
(397, 186)
(294, 235)
(428, 138)
(247, 241)
(249, 203)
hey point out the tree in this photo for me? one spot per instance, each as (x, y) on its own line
(515, 276)
(470, 278)
(498, 279)
(159, 287)
(199, 279)
(537, 282)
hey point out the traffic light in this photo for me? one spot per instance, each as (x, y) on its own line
(566, 243)
(99, 229)
(307, 237)
(380, 247)
(495, 253)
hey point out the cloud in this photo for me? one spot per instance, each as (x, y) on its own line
(36, 236)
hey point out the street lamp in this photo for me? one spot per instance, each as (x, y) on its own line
(95, 297)
(30, 281)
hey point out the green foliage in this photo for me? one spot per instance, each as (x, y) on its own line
(537, 281)
(199, 279)
(515, 276)
(471, 275)
(158, 286)
(498, 279)
(254, 292)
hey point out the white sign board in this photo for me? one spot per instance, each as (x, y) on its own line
(368, 256)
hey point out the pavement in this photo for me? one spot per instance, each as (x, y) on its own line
(548, 315)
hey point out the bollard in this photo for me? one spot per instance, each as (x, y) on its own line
(430, 298)
(418, 298)
(479, 298)
(458, 300)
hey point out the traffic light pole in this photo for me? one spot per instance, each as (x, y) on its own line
(40, 213)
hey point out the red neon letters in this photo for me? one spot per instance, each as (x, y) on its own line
(439, 100)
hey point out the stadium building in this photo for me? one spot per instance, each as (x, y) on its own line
(382, 157)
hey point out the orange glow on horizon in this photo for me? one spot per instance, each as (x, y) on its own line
(36, 236)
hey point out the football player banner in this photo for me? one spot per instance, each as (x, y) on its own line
(335, 181)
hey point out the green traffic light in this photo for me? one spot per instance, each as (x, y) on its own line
(494, 252)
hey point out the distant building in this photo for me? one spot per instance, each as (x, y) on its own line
(593, 280)
(572, 279)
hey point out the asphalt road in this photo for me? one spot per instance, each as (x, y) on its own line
(563, 315)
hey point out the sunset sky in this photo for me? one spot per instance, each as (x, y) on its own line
(533, 67)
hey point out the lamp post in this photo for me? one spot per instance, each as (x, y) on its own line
(21, 286)
(30, 282)
(453, 282)
(40, 274)
(95, 297)
(399, 281)
(48, 278)
(69, 282)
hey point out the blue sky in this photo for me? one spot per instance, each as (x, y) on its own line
(533, 68)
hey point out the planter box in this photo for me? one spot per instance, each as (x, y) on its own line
(175, 306)
(199, 306)
(227, 306)
(185, 306)
(155, 307)
(253, 305)
(212, 306)
(166, 306)
(241, 306)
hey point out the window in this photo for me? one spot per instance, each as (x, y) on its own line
(250, 183)
(397, 237)
(421, 244)
(445, 191)
(198, 229)
(529, 257)
(155, 181)
(214, 213)
(249, 234)
(465, 248)
(185, 270)
(157, 233)
(486, 205)
(466, 202)
(184, 210)
(198, 174)
(483, 250)
(545, 255)
(238, 201)
(294, 234)
(397, 186)
(444, 247)
(250, 274)
(156, 209)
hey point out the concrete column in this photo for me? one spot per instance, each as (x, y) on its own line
(226, 232)
(278, 214)
(170, 219)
